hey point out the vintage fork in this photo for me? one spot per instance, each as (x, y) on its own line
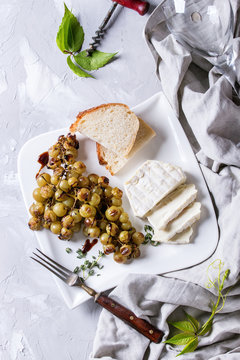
(72, 279)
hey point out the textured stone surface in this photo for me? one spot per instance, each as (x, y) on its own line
(38, 94)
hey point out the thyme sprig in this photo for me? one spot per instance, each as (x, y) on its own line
(149, 232)
(88, 268)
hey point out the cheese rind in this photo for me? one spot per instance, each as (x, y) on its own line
(151, 183)
(185, 219)
(183, 237)
(172, 205)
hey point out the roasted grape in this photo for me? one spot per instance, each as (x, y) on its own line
(119, 258)
(112, 229)
(60, 209)
(56, 227)
(112, 213)
(126, 250)
(34, 223)
(138, 238)
(105, 239)
(124, 237)
(87, 211)
(37, 195)
(43, 179)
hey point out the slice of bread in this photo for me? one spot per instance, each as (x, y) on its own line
(115, 162)
(114, 126)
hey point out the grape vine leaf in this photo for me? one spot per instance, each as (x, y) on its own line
(180, 339)
(70, 34)
(190, 347)
(193, 321)
(94, 61)
(185, 326)
(76, 69)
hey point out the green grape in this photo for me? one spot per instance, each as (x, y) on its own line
(93, 178)
(60, 209)
(50, 216)
(90, 222)
(59, 171)
(125, 250)
(54, 151)
(138, 238)
(73, 181)
(60, 195)
(119, 258)
(84, 195)
(103, 225)
(64, 186)
(54, 163)
(55, 179)
(112, 229)
(109, 249)
(108, 191)
(103, 181)
(95, 199)
(37, 209)
(117, 193)
(43, 179)
(124, 237)
(67, 222)
(56, 227)
(34, 223)
(126, 225)
(105, 239)
(124, 217)
(97, 190)
(65, 234)
(112, 213)
(75, 215)
(79, 167)
(46, 192)
(83, 181)
(87, 211)
(93, 232)
(37, 195)
(116, 201)
(135, 252)
(76, 227)
(69, 202)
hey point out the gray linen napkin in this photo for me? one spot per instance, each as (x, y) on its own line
(211, 119)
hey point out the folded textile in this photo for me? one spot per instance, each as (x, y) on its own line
(210, 116)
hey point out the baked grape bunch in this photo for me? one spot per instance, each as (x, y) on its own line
(68, 199)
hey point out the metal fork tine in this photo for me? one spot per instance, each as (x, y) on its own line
(55, 273)
(54, 267)
(62, 267)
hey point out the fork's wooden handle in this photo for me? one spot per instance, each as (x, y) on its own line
(123, 313)
(138, 5)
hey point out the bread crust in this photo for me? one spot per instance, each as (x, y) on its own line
(100, 154)
(74, 127)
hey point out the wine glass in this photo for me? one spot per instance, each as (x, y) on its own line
(205, 27)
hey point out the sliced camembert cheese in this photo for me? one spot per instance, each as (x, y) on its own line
(185, 219)
(151, 183)
(183, 237)
(172, 205)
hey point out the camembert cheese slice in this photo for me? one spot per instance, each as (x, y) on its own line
(151, 183)
(172, 205)
(185, 219)
(183, 237)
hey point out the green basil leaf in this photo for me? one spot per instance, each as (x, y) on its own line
(95, 61)
(190, 347)
(76, 69)
(180, 339)
(206, 329)
(184, 326)
(193, 321)
(70, 34)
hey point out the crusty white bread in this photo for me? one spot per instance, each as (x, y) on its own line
(112, 125)
(115, 162)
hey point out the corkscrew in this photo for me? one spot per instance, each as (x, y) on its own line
(138, 5)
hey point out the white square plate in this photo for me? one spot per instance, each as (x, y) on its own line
(169, 145)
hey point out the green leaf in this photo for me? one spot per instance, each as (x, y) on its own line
(93, 62)
(76, 69)
(190, 347)
(70, 34)
(206, 329)
(193, 321)
(180, 339)
(185, 326)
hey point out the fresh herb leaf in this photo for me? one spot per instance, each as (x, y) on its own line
(180, 339)
(148, 236)
(76, 69)
(148, 228)
(70, 35)
(76, 270)
(193, 321)
(185, 326)
(190, 347)
(80, 254)
(68, 250)
(96, 60)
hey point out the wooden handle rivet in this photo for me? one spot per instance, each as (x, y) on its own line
(131, 317)
(151, 332)
(112, 305)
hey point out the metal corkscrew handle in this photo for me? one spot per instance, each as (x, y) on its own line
(140, 6)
